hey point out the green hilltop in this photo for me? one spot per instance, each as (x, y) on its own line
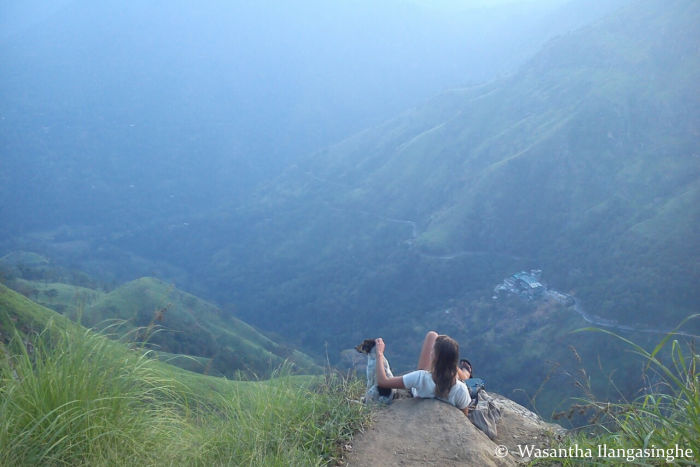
(17, 312)
(188, 325)
(71, 396)
(182, 328)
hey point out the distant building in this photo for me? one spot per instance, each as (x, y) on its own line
(528, 284)
(525, 284)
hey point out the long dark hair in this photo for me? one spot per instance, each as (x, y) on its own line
(445, 358)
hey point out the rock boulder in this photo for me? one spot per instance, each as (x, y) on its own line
(429, 432)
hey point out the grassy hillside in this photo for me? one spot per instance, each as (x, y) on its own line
(19, 313)
(71, 396)
(185, 324)
(180, 327)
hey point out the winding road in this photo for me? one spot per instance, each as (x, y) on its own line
(607, 323)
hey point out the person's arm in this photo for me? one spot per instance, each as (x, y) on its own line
(383, 381)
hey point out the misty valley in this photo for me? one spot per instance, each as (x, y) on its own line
(232, 200)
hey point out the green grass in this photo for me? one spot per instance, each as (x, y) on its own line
(69, 398)
(666, 415)
(73, 397)
(193, 326)
(187, 325)
(18, 313)
(59, 296)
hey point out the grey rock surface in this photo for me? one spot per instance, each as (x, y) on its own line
(413, 432)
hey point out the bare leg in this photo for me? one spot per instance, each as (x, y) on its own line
(425, 360)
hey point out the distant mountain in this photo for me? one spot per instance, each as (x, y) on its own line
(584, 163)
(123, 114)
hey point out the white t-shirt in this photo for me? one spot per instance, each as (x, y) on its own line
(421, 384)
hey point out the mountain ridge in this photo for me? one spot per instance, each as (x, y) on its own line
(180, 327)
(587, 156)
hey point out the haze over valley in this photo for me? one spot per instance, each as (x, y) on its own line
(327, 172)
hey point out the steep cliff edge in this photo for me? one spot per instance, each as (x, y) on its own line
(430, 432)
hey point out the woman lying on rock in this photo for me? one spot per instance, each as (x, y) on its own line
(438, 375)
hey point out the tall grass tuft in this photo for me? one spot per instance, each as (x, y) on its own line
(74, 397)
(666, 415)
(284, 421)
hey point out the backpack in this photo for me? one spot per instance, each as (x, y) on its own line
(485, 414)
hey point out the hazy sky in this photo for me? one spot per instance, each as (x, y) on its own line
(17, 14)
(243, 88)
(464, 4)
